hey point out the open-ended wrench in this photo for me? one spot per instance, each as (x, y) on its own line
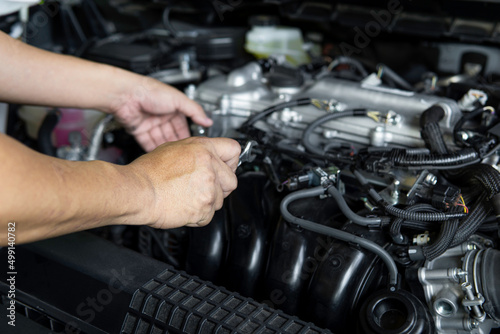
(246, 155)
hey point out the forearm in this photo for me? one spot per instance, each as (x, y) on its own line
(48, 197)
(32, 76)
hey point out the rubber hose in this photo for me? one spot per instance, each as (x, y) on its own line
(350, 61)
(272, 109)
(45, 133)
(395, 77)
(329, 117)
(357, 219)
(458, 126)
(335, 233)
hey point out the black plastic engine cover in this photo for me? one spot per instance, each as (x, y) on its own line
(251, 224)
(343, 280)
(207, 251)
(84, 284)
(295, 254)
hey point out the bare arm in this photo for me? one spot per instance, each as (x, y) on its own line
(33, 76)
(152, 111)
(178, 184)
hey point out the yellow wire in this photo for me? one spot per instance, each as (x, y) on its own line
(463, 202)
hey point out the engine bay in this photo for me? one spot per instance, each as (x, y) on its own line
(369, 198)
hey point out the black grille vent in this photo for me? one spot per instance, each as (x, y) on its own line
(175, 302)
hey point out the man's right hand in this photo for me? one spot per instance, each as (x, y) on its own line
(188, 181)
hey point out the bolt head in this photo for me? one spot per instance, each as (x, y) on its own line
(463, 135)
(431, 179)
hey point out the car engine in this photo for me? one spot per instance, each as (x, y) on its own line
(369, 197)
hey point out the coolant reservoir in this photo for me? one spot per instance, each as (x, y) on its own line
(79, 120)
(266, 39)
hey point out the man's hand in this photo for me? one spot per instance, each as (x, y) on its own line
(188, 179)
(180, 183)
(150, 110)
(155, 113)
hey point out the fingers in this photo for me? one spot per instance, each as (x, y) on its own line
(168, 132)
(228, 150)
(161, 131)
(157, 136)
(194, 111)
(146, 141)
(227, 179)
(180, 126)
(193, 175)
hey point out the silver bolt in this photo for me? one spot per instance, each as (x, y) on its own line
(190, 91)
(464, 135)
(198, 130)
(329, 134)
(225, 104)
(395, 189)
(185, 60)
(109, 137)
(469, 294)
(395, 120)
(431, 179)
(471, 247)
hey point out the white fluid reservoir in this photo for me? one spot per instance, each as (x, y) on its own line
(267, 39)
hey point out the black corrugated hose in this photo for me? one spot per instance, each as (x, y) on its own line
(472, 222)
(395, 229)
(460, 159)
(401, 213)
(448, 231)
(480, 176)
(422, 216)
(431, 134)
(431, 131)
(443, 241)
(440, 157)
